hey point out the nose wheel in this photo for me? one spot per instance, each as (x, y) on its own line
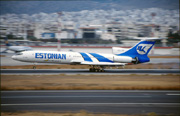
(34, 67)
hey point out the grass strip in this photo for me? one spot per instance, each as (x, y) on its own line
(90, 82)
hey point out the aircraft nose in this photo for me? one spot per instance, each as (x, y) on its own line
(14, 57)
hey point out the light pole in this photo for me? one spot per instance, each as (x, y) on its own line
(59, 31)
(153, 30)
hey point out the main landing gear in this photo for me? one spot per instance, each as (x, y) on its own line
(96, 69)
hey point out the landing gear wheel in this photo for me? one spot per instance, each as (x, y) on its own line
(91, 69)
(34, 66)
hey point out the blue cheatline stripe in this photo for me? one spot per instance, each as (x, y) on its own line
(86, 57)
(100, 57)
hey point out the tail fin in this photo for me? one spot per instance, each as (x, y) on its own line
(140, 51)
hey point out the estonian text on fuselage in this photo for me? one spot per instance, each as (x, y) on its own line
(50, 56)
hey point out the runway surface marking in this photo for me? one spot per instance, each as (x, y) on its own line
(41, 104)
(75, 96)
(172, 94)
(97, 101)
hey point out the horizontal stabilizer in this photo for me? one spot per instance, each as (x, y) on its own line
(148, 38)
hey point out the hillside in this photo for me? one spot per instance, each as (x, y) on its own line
(31, 7)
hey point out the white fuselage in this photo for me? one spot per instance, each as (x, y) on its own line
(71, 58)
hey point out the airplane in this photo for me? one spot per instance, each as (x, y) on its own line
(15, 48)
(97, 61)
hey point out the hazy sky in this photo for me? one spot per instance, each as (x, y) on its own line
(31, 7)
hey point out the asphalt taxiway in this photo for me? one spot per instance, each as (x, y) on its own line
(86, 71)
(97, 101)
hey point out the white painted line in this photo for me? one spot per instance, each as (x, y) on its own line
(85, 74)
(172, 94)
(41, 104)
(74, 96)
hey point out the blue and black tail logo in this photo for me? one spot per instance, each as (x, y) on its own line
(143, 48)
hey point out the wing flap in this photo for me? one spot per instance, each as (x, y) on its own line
(103, 63)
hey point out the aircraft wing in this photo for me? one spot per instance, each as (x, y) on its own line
(76, 62)
(19, 48)
(102, 63)
(97, 63)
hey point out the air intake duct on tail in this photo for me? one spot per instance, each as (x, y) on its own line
(123, 59)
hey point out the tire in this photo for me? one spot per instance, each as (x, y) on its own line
(91, 70)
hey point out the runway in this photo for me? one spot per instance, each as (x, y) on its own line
(86, 71)
(97, 101)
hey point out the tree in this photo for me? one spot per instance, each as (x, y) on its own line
(10, 36)
(118, 41)
(173, 37)
(32, 38)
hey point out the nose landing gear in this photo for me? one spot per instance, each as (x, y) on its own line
(34, 67)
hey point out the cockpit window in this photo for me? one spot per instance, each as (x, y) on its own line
(19, 53)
